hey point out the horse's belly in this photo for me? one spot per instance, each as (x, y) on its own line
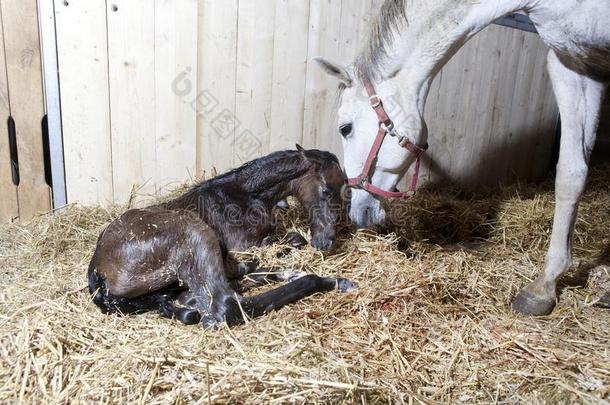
(579, 33)
(588, 60)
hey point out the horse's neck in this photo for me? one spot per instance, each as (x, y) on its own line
(432, 31)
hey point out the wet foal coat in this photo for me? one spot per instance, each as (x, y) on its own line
(174, 257)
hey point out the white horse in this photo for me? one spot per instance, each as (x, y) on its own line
(410, 43)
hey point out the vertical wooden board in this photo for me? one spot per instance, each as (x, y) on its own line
(604, 125)
(487, 108)
(24, 72)
(443, 115)
(175, 87)
(254, 78)
(9, 206)
(320, 90)
(356, 18)
(601, 152)
(131, 61)
(521, 130)
(547, 120)
(83, 70)
(337, 31)
(377, 6)
(215, 101)
(289, 70)
(535, 113)
(486, 131)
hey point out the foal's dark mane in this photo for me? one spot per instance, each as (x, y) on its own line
(266, 177)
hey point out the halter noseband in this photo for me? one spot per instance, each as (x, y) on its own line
(386, 126)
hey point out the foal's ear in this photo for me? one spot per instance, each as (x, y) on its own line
(335, 70)
(300, 148)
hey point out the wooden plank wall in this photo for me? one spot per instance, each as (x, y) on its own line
(9, 205)
(21, 97)
(128, 125)
(82, 49)
(601, 153)
(491, 112)
(258, 88)
(154, 91)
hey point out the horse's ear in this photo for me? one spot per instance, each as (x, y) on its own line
(300, 148)
(334, 70)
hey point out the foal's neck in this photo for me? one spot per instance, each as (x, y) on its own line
(268, 179)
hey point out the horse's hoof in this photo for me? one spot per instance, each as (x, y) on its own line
(344, 285)
(528, 303)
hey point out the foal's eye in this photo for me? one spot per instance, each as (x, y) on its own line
(345, 130)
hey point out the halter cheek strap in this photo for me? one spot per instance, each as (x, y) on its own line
(386, 126)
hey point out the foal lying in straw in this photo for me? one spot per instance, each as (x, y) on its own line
(174, 257)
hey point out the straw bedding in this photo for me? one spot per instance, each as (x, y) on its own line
(430, 323)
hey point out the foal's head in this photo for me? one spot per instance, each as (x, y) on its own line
(319, 193)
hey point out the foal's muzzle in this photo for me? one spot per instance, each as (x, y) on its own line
(323, 242)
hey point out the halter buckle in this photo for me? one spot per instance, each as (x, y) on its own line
(362, 181)
(377, 102)
(389, 127)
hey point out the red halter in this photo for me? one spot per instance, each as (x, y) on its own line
(386, 126)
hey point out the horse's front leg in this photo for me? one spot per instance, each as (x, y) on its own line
(579, 99)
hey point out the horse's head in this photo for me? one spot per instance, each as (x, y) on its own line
(319, 193)
(358, 124)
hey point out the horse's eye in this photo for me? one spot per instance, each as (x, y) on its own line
(345, 130)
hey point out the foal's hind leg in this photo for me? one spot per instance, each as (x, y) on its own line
(204, 276)
(579, 99)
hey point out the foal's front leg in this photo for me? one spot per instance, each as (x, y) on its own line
(236, 270)
(246, 275)
(579, 99)
(293, 239)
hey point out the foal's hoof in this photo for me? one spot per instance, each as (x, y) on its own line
(291, 275)
(527, 303)
(344, 285)
(296, 240)
(604, 302)
(209, 322)
(283, 204)
(188, 316)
